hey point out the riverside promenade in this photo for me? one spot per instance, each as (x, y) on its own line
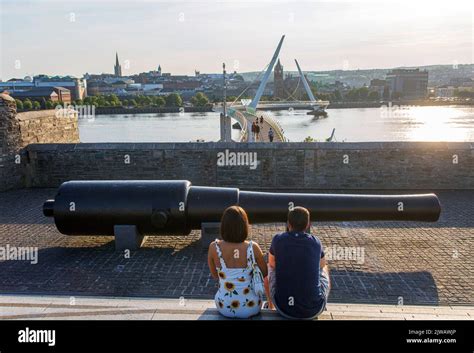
(389, 263)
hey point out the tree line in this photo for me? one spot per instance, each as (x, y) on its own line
(112, 100)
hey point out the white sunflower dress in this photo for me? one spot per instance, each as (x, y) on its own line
(235, 298)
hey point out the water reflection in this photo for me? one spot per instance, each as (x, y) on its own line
(352, 125)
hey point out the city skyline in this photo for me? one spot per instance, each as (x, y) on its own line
(84, 36)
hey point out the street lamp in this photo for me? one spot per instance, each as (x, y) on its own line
(226, 134)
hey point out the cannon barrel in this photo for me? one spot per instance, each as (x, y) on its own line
(177, 207)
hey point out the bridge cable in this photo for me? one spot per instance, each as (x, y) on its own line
(251, 83)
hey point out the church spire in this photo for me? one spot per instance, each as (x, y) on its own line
(117, 67)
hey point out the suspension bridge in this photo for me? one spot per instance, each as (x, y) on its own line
(246, 112)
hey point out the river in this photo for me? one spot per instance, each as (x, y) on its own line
(446, 123)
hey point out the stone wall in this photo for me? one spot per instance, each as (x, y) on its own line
(11, 168)
(46, 126)
(39, 149)
(292, 166)
(17, 130)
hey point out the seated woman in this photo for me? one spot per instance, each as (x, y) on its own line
(230, 261)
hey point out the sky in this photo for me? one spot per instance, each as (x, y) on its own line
(74, 37)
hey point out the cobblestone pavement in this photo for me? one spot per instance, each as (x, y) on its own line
(397, 262)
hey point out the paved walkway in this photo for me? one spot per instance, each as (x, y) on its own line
(87, 308)
(393, 262)
(263, 136)
(264, 127)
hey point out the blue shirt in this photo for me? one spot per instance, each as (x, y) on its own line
(297, 257)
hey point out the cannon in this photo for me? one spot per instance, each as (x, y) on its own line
(130, 209)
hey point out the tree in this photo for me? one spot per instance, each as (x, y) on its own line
(352, 95)
(49, 104)
(145, 101)
(174, 100)
(27, 105)
(463, 94)
(91, 100)
(36, 105)
(200, 100)
(374, 96)
(101, 101)
(159, 101)
(113, 100)
(363, 93)
(357, 94)
(19, 104)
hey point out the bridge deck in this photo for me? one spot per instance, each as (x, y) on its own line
(263, 135)
(265, 127)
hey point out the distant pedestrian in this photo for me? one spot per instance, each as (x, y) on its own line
(254, 129)
(257, 132)
(261, 119)
(270, 135)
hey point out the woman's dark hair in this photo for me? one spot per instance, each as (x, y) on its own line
(234, 225)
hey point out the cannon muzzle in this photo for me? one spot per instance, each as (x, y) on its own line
(177, 207)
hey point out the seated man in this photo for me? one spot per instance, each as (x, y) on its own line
(298, 276)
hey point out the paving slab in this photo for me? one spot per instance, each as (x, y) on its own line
(413, 263)
(102, 308)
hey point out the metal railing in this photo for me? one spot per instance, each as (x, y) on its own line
(236, 115)
(243, 120)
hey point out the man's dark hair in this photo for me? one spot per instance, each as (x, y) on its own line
(234, 225)
(298, 218)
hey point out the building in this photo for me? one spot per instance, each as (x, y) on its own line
(445, 91)
(117, 67)
(17, 85)
(278, 81)
(76, 86)
(381, 87)
(182, 85)
(287, 87)
(407, 83)
(54, 94)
